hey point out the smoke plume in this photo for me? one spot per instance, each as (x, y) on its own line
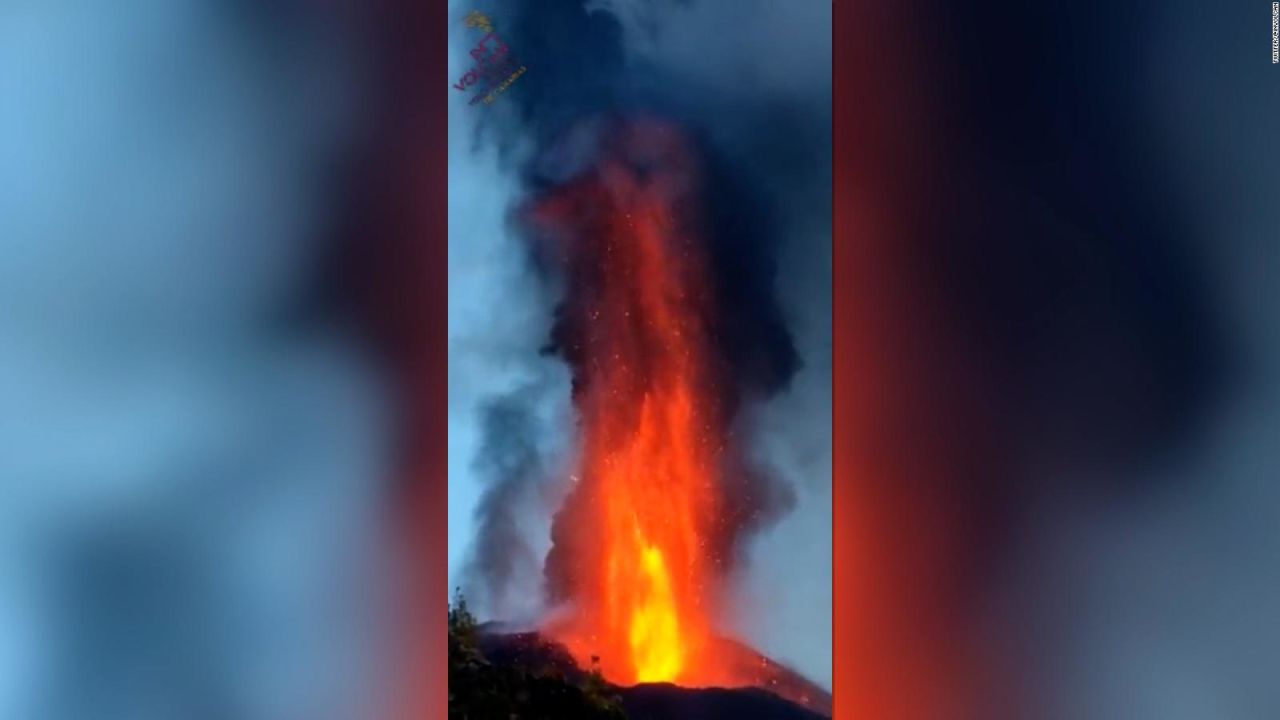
(753, 111)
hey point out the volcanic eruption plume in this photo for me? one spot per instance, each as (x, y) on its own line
(657, 210)
(643, 540)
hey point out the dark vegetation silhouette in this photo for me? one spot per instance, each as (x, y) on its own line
(483, 690)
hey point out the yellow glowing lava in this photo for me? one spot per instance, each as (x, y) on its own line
(655, 630)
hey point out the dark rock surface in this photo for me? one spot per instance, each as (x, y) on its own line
(664, 701)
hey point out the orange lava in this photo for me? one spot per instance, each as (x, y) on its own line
(639, 519)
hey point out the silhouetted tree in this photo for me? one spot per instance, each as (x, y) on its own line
(480, 690)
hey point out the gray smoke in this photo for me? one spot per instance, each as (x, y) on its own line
(505, 558)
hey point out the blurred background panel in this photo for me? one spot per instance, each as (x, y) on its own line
(200, 415)
(1076, 204)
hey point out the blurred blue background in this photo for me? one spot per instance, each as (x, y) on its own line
(192, 450)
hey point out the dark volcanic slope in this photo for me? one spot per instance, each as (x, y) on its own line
(668, 702)
(528, 650)
(664, 701)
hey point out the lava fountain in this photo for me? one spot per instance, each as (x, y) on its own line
(637, 557)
